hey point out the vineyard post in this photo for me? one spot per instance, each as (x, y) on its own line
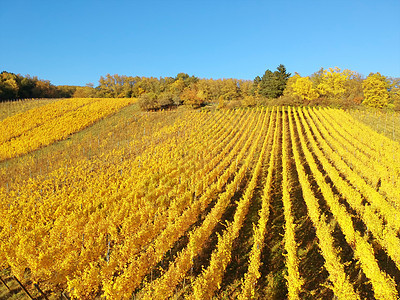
(63, 295)
(1, 279)
(22, 286)
(108, 248)
(394, 152)
(40, 291)
(393, 127)
(386, 121)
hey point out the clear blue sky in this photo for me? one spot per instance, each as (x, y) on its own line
(75, 42)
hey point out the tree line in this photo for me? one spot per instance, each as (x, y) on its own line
(333, 86)
(344, 88)
(15, 86)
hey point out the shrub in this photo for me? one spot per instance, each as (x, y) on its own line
(148, 101)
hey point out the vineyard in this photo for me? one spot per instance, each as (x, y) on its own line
(98, 199)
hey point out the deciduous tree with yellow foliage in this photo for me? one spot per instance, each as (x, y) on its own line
(301, 87)
(376, 92)
(333, 83)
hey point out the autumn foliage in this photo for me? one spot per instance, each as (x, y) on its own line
(329, 87)
(262, 203)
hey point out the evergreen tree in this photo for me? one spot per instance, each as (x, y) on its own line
(267, 86)
(272, 84)
(282, 77)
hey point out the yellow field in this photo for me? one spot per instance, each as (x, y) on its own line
(35, 128)
(266, 203)
(10, 108)
(386, 123)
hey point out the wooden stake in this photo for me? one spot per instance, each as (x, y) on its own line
(40, 291)
(108, 249)
(25, 290)
(65, 296)
(1, 279)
